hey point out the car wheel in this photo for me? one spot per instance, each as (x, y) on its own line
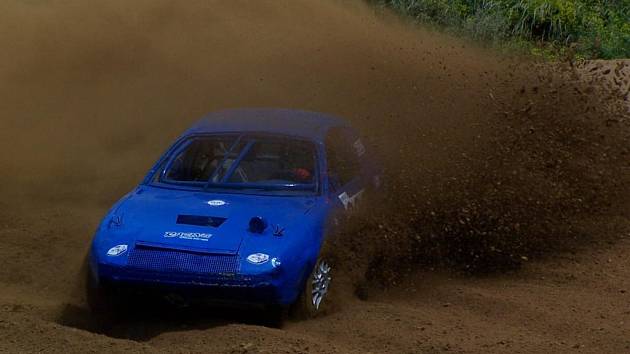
(315, 295)
(96, 294)
(100, 302)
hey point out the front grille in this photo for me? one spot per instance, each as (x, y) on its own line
(174, 261)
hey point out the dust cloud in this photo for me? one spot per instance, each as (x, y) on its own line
(490, 160)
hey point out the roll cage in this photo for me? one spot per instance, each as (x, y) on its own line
(220, 182)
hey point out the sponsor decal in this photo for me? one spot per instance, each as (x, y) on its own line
(275, 262)
(350, 202)
(359, 148)
(117, 250)
(216, 202)
(196, 236)
(258, 258)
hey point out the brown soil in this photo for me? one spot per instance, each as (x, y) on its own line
(495, 165)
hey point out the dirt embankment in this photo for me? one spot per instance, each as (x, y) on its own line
(491, 161)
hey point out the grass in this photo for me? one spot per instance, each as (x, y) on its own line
(589, 29)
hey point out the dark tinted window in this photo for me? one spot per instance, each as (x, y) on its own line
(200, 159)
(248, 163)
(277, 161)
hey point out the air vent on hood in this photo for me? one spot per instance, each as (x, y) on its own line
(199, 220)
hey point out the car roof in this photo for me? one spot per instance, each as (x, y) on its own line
(303, 124)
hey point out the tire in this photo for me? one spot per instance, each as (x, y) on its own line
(95, 294)
(100, 302)
(312, 301)
(275, 316)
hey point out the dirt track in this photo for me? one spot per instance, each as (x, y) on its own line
(93, 92)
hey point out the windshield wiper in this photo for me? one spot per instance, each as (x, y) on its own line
(263, 187)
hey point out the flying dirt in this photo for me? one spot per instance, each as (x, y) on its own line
(505, 221)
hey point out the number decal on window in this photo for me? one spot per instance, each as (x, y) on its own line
(350, 202)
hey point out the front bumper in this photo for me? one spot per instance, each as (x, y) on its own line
(222, 277)
(234, 288)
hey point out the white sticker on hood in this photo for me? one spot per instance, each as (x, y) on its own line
(196, 236)
(216, 202)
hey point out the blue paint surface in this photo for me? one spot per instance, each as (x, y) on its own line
(199, 237)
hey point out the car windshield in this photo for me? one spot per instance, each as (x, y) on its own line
(246, 163)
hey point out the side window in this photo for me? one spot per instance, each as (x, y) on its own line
(342, 157)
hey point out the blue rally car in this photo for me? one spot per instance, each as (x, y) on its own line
(239, 208)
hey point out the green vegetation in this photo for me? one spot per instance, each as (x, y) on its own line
(585, 28)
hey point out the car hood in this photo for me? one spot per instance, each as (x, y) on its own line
(204, 222)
